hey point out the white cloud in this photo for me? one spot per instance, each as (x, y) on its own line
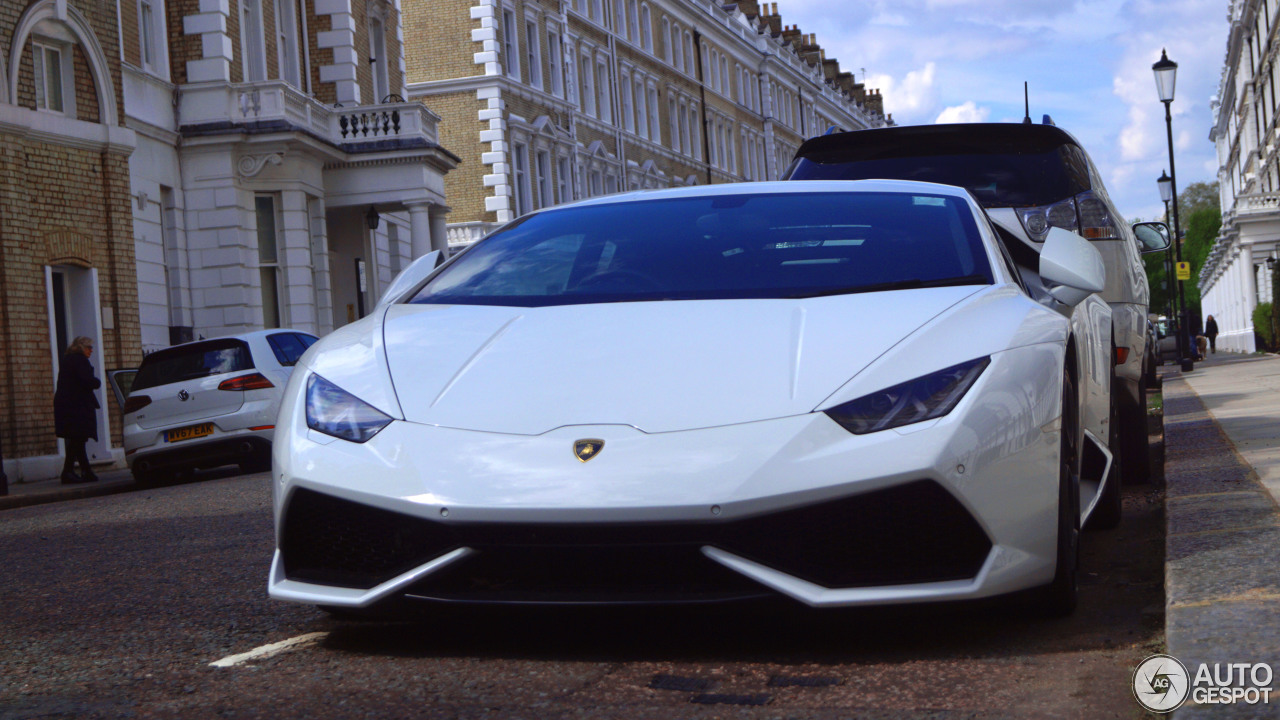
(966, 113)
(912, 96)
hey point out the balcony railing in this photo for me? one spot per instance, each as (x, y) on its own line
(237, 104)
(1258, 203)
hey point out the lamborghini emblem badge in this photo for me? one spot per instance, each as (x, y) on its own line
(587, 449)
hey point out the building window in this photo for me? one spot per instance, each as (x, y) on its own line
(252, 41)
(533, 53)
(606, 97)
(542, 169)
(655, 122)
(695, 139)
(510, 45)
(624, 102)
(633, 22)
(673, 119)
(684, 129)
(151, 37)
(287, 42)
(520, 163)
(646, 29)
(688, 53)
(668, 47)
(642, 112)
(677, 52)
(564, 180)
(268, 259)
(597, 11)
(597, 183)
(378, 59)
(555, 54)
(588, 86)
(50, 77)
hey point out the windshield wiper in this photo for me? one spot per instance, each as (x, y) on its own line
(913, 284)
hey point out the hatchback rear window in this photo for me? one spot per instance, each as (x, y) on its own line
(193, 361)
(777, 245)
(289, 347)
(1002, 165)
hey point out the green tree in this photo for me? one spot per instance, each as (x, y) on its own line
(1201, 219)
(1202, 229)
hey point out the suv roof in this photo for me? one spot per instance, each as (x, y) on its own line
(1021, 165)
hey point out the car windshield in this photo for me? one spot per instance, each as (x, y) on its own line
(1002, 167)
(777, 245)
(189, 362)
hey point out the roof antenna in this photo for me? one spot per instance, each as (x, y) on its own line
(1026, 99)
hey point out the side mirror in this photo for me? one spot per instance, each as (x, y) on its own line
(409, 277)
(1071, 267)
(1152, 236)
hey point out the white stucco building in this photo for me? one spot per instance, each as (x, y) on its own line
(1235, 277)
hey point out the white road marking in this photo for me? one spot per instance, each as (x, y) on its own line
(275, 648)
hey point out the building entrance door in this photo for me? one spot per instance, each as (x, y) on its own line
(73, 312)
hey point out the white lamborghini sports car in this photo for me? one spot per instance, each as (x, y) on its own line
(839, 392)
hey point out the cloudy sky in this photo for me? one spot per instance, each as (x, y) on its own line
(1088, 63)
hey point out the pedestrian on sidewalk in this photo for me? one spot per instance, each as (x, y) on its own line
(1211, 332)
(75, 407)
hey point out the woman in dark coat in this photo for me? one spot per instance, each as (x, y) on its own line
(75, 409)
(1211, 332)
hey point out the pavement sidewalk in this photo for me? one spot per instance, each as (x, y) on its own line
(39, 492)
(1222, 466)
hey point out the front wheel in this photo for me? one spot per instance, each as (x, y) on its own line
(1133, 436)
(1059, 597)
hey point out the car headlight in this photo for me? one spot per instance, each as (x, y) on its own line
(924, 398)
(334, 411)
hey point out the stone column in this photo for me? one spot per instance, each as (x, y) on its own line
(420, 240)
(439, 233)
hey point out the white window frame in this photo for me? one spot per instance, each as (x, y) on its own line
(533, 52)
(588, 77)
(624, 103)
(683, 112)
(677, 50)
(695, 134)
(633, 21)
(606, 90)
(288, 56)
(564, 179)
(520, 178)
(510, 43)
(642, 108)
(555, 59)
(542, 178)
(253, 43)
(379, 67)
(646, 28)
(271, 269)
(667, 49)
(61, 53)
(655, 115)
(673, 121)
(688, 53)
(153, 42)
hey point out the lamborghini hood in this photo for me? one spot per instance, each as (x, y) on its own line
(656, 366)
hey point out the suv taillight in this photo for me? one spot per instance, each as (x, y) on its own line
(134, 403)
(1085, 214)
(255, 381)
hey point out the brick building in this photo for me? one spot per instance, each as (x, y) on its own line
(66, 248)
(270, 132)
(554, 100)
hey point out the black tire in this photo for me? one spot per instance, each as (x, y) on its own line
(1059, 598)
(1109, 510)
(1134, 441)
(256, 465)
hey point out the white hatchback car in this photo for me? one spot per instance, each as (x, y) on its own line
(209, 403)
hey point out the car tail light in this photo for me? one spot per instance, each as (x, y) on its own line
(1085, 214)
(254, 381)
(1122, 355)
(135, 403)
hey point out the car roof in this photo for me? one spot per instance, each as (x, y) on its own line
(774, 187)
(947, 138)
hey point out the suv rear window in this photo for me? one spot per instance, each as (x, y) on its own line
(192, 361)
(1003, 165)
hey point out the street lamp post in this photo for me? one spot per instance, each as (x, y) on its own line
(1166, 72)
(1165, 183)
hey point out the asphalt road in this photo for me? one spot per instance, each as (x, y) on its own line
(117, 606)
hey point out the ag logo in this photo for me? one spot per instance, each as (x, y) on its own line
(587, 449)
(1161, 683)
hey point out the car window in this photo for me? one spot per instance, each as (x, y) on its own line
(781, 245)
(193, 361)
(306, 340)
(288, 347)
(1009, 265)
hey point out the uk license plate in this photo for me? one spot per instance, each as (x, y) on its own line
(189, 432)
